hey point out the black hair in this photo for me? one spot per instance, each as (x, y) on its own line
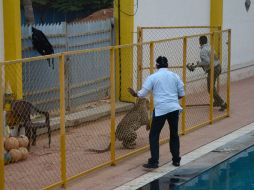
(203, 40)
(161, 62)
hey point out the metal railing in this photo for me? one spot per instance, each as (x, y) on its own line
(68, 152)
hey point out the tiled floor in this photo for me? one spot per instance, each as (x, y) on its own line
(242, 104)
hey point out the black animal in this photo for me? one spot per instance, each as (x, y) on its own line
(41, 44)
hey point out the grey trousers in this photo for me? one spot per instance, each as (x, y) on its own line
(217, 99)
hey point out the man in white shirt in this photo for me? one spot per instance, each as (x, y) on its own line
(167, 88)
(205, 52)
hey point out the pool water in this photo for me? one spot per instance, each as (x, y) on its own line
(236, 173)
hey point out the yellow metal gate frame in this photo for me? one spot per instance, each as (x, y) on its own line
(112, 50)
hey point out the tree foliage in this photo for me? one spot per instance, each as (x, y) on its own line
(73, 5)
(28, 11)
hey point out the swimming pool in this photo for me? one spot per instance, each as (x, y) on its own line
(236, 173)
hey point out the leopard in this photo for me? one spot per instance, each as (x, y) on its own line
(126, 130)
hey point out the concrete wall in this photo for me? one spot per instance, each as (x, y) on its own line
(241, 22)
(172, 13)
(197, 12)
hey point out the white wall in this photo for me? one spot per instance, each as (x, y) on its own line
(241, 22)
(172, 13)
(197, 12)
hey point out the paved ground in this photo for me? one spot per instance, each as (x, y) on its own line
(196, 162)
(42, 168)
(242, 104)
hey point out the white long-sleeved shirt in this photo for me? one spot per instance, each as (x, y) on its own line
(166, 87)
(205, 53)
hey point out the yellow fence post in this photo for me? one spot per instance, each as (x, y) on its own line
(125, 36)
(151, 71)
(112, 103)
(218, 49)
(229, 68)
(139, 57)
(211, 77)
(117, 32)
(12, 45)
(1, 131)
(62, 120)
(216, 20)
(184, 81)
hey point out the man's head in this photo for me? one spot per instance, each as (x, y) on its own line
(161, 62)
(202, 40)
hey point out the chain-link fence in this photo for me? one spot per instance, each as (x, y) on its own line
(63, 139)
(67, 37)
(32, 148)
(146, 34)
(95, 131)
(102, 130)
(169, 42)
(198, 100)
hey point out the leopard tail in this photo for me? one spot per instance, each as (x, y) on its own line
(100, 151)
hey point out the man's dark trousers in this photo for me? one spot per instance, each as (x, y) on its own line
(154, 136)
(217, 99)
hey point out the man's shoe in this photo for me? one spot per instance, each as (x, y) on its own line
(176, 164)
(150, 166)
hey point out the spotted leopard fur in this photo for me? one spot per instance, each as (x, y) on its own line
(131, 122)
